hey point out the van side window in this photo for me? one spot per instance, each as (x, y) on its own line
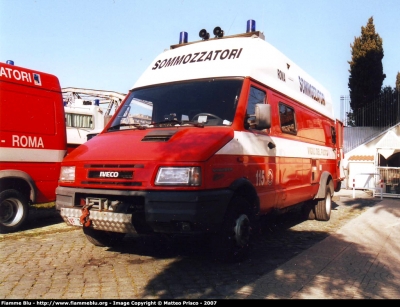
(256, 96)
(287, 119)
(333, 133)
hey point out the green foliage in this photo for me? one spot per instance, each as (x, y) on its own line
(366, 70)
(383, 112)
(398, 81)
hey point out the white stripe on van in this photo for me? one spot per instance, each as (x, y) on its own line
(8, 154)
(247, 143)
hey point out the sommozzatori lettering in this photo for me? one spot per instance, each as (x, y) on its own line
(109, 174)
(27, 141)
(16, 74)
(199, 57)
(311, 91)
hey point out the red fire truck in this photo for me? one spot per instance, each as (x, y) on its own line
(32, 141)
(215, 134)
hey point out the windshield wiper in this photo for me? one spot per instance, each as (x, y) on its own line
(135, 126)
(200, 125)
(167, 122)
(177, 123)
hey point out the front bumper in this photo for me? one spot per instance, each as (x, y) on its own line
(109, 221)
(147, 211)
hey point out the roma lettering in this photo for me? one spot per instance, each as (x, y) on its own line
(27, 141)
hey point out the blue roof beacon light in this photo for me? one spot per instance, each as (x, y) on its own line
(97, 102)
(10, 62)
(183, 37)
(251, 25)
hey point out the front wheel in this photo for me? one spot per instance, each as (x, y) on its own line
(232, 242)
(103, 238)
(13, 210)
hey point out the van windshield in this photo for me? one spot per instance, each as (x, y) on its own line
(210, 102)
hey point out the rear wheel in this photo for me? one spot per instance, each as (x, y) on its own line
(13, 210)
(232, 242)
(324, 206)
(103, 238)
(338, 186)
(308, 209)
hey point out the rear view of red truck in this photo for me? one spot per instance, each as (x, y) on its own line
(32, 141)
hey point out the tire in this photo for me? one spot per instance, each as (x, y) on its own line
(338, 186)
(308, 210)
(232, 243)
(103, 238)
(324, 206)
(14, 207)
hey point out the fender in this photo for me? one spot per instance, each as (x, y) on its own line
(244, 187)
(5, 174)
(325, 177)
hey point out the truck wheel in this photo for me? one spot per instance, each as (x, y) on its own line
(232, 242)
(13, 210)
(103, 238)
(308, 210)
(338, 186)
(324, 206)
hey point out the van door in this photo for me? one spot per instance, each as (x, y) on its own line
(261, 167)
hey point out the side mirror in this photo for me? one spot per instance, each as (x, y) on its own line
(262, 116)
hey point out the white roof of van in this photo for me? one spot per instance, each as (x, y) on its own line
(238, 57)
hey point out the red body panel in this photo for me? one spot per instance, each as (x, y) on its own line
(32, 129)
(199, 145)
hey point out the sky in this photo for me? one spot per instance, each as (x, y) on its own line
(107, 44)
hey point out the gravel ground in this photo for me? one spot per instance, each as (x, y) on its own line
(33, 259)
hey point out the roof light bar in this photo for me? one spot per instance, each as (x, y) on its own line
(218, 32)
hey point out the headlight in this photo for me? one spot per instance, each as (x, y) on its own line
(67, 174)
(190, 176)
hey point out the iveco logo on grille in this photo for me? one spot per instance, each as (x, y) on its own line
(111, 174)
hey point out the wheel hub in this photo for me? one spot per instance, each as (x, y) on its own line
(242, 230)
(10, 211)
(6, 211)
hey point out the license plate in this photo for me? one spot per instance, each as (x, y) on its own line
(74, 221)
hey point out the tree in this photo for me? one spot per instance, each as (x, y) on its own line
(398, 81)
(366, 70)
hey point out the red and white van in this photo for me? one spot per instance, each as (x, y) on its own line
(32, 141)
(213, 135)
